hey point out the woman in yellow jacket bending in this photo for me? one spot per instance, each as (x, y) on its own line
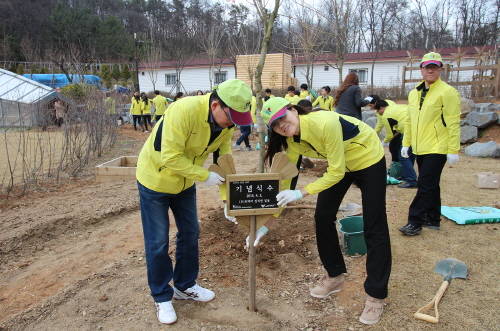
(354, 155)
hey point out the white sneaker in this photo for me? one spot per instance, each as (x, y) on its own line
(165, 312)
(196, 293)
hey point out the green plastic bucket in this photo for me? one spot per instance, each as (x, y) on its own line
(395, 170)
(353, 240)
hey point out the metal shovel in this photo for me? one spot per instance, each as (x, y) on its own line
(449, 268)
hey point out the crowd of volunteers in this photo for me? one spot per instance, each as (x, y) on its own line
(302, 124)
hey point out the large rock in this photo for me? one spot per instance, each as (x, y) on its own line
(467, 105)
(489, 149)
(372, 121)
(486, 107)
(367, 114)
(481, 120)
(468, 134)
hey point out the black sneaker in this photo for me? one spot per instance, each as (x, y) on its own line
(411, 230)
(404, 227)
(407, 185)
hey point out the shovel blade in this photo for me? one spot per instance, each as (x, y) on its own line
(451, 268)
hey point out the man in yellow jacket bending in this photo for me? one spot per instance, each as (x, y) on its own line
(433, 132)
(160, 103)
(170, 162)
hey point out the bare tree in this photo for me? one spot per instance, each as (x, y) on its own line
(152, 58)
(267, 19)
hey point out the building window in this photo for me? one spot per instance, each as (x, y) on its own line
(220, 77)
(327, 68)
(170, 79)
(362, 75)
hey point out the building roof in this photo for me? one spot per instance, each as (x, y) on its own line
(14, 87)
(396, 55)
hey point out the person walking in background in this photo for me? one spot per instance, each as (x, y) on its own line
(325, 101)
(200, 92)
(348, 97)
(135, 110)
(160, 103)
(178, 96)
(146, 111)
(432, 131)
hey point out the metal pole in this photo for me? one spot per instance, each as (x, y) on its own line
(251, 263)
(136, 83)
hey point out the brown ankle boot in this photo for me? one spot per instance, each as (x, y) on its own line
(327, 285)
(373, 311)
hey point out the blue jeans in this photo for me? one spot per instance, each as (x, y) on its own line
(155, 224)
(245, 132)
(407, 171)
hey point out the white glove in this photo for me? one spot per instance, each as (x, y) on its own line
(229, 218)
(452, 158)
(404, 152)
(214, 179)
(261, 232)
(287, 196)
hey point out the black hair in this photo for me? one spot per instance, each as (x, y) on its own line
(157, 92)
(327, 88)
(305, 104)
(290, 88)
(297, 92)
(375, 99)
(145, 98)
(277, 142)
(178, 95)
(380, 104)
(304, 86)
(268, 90)
(215, 97)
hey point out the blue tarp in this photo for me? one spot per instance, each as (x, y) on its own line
(471, 215)
(61, 80)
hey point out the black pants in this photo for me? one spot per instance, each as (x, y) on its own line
(147, 120)
(245, 132)
(372, 182)
(426, 206)
(136, 119)
(395, 147)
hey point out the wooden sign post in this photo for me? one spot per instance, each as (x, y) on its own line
(251, 195)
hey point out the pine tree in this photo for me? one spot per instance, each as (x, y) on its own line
(126, 73)
(106, 75)
(115, 73)
(20, 69)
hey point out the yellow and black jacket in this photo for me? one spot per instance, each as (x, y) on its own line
(172, 158)
(324, 103)
(344, 141)
(393, 120)
(433, 124)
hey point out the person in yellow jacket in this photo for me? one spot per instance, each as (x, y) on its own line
(325, 101)
(433, 132)
(393, 118)
(268, 94)
(292, 95)
(146, 111)
(136, 110)
(304, 92)
(354, 155)
(169, 164)
(160, 103)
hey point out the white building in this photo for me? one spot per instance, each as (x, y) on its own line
(387, 70)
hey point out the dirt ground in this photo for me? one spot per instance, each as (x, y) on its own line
(72, 259)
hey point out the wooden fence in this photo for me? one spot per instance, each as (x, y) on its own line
(485, 79)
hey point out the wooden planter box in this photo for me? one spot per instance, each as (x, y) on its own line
(120, 169)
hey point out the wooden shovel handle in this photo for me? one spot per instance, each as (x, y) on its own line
(434, 302)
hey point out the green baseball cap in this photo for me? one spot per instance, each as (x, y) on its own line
(273, 109)
(431, 58)
(237, 95)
